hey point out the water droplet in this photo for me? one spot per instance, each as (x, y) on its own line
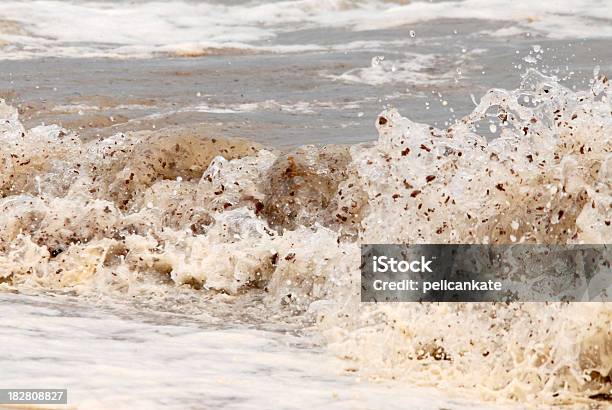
(376, 60)
(412, 33)
(537, 48)
(445, 103)
(493, 128)
(596, 70)
(38, 187)
(360, 114)
(530, 60)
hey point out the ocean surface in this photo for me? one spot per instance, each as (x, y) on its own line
(284, 73)
(184, 186)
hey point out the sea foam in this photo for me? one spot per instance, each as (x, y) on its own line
(183, 28)
(132, 214)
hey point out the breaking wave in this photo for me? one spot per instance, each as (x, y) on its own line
(137, 212)
(122, 29)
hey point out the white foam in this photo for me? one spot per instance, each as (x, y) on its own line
(115, 357)
(411, 68)
(75, 108)
(141, 29)
(112, 217)
(298, 107)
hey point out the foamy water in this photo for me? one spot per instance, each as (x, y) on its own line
(152, 359)
(151, 259)
(132, 217)
(138, 29)
(283, 73)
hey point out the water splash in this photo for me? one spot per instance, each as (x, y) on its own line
(132, 214)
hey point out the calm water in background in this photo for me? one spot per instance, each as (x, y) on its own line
(281, 74)
(341, 71)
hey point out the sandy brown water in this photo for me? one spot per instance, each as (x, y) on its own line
(148, 261)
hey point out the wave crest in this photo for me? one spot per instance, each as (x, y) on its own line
(229, 216)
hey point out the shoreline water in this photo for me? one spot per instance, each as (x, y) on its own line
(184, 188)
(194, 363)
(281, 100)
(138, 214)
